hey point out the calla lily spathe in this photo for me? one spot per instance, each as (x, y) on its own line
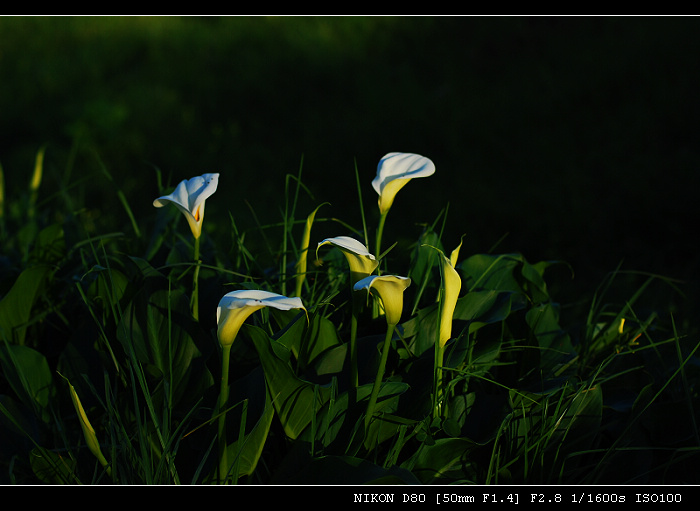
(394, 171)
(189, 196)
(361, 262)
(452, 284)
(235, 307)
(390, 289)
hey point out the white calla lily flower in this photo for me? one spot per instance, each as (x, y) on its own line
(394, 171)
(235, 307)
(189, 196)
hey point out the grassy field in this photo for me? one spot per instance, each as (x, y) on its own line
(566, 163)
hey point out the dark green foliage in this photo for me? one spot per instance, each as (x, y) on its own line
(547, 379)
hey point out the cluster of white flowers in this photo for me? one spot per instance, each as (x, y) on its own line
(393, 172)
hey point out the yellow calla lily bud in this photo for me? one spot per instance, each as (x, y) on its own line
(301, 263)
(88, 431)
(454, 256)
(452, 283)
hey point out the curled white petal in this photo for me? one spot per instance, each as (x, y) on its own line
(401, 166)
(189, 196)
(190, 193)
(366, 283)
(255, 298)
(348, 243)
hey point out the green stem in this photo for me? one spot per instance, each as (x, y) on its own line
(356, 308)
(194, 301)
(380, 375)
(437, 384)
(380, 232)
(223, 400)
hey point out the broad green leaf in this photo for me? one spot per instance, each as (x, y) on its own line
(16, 307)
(330, 421)
(477, 308)
(27, 371)
(252, 446)
(158, 328)
(385, 424)
(306, 344)
(109, 287)
(296, 401)
(49, 245)
(331, 361)
(445, 460)
(321, 336)
(505, 272)
(554, 343)
(52, 468)
(486, 271)
(19, 427)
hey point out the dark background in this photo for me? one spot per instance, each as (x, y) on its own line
(576, 138)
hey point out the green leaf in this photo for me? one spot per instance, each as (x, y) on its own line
(554, 343)
(27, 371)
(446, 460)
(253, 443)
(296, 401)
(306, 344)
(478, 308)
(424, 262)
(49, 245)
(16, 306)
(158, 329)
(330, 421)
(52, 468)
(108, 287)
(505, 272)
(321, 336)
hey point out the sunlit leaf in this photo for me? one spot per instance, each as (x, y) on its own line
(296, 401)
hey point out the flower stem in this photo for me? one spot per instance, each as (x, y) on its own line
(354, 372)
(194, 301)
(354, 378)
(380, 375)
(438, 409)
(380, 232)
(223, 400)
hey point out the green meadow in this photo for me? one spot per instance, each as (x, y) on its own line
(435, 250)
